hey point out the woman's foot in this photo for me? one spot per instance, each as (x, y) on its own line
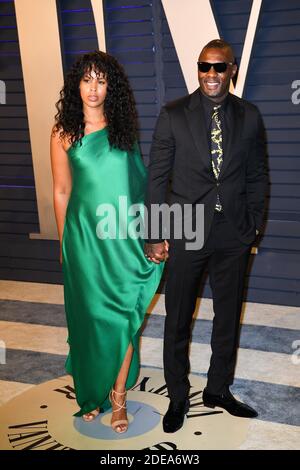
(119, 421)
(87, 417)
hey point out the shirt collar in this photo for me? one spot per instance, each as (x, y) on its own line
(209, 104)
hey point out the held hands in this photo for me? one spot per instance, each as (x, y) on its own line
(157, 252)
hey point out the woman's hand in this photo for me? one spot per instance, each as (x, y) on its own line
(157, 252)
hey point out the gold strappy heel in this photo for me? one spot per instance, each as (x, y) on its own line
(118, 423)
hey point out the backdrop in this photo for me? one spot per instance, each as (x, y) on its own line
(138, 33)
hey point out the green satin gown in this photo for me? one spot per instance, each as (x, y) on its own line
(108, 283)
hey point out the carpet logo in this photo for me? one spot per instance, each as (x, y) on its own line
(42, 419)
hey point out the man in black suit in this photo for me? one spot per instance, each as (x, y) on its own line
(211, 144)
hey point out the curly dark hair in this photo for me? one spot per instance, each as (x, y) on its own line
(119, 104)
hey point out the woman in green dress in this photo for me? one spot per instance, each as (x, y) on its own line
(99, 183)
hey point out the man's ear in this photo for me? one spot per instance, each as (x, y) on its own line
(234, 70)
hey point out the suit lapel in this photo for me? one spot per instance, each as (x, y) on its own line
(196, 123)
(233, 132)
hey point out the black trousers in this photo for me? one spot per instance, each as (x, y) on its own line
(227, 260)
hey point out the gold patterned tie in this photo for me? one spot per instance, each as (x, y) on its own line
(216, 149)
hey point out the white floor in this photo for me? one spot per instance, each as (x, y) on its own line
(253, 364)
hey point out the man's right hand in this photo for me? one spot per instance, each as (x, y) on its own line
(156, 252)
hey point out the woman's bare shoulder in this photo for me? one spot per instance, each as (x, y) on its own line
(59, 139)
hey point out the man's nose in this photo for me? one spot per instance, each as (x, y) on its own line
(212, 72)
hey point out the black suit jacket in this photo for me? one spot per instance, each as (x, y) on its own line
(180, 150)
